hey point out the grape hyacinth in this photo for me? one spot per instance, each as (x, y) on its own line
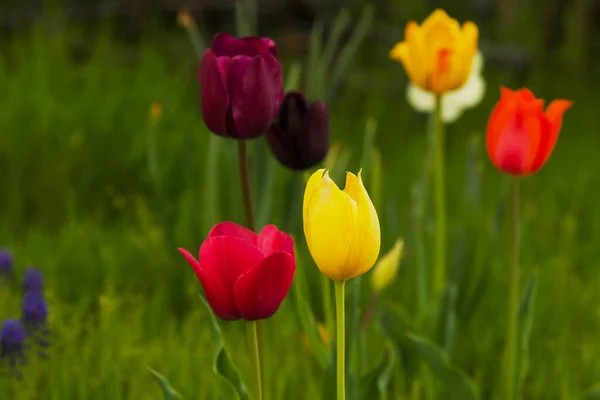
(7, 273)
(32, 281)
(12, 345)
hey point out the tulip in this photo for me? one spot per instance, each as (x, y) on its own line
(244, 275)
(520, 134)
(341, 227)
(299, 138)
(241, 86)
(386, 269)
(437, 55)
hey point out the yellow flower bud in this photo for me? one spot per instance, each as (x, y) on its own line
(184, 18)
(437, 55)
(341, 227)
(386, 269)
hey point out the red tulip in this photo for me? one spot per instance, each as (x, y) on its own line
(244, 275)
(241, 86)
(520, 134)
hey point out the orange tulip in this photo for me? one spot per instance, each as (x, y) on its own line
(520, 134)
(437, 55)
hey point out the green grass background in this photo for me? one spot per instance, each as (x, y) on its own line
(77, 200)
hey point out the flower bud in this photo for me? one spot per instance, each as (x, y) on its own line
(386, 269)
(299, 138)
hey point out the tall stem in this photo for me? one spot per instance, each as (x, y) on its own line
(341, 339)
(439, 272)
(249, 211)
(513, 293)
(254, 360)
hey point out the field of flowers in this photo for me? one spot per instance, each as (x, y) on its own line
(428, 233)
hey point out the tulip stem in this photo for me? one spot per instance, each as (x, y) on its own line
(439, 272)
(341, 339)
(513, 293)
(245, 181)
(252, 337)
(249, 211)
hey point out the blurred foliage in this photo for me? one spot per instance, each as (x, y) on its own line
(82, 199)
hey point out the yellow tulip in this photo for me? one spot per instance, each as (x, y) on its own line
(437, 55)
(386, 269)
(341, 227)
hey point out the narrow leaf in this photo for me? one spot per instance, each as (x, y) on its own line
(168, 392)
(526, 311)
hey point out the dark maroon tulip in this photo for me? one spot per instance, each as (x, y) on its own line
(241, 86)
(299, 138)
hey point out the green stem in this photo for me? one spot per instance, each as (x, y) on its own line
(249, 211)
(439, 272)
(341, 339)
(513, 293)
(254, 360)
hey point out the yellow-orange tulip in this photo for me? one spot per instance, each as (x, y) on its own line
(437, 55)
(341, 227)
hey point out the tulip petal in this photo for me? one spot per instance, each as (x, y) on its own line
(272, 240)
(314, 143)
(233, 230)
(552, 123)
(330, 227)
(367, 239)
(224, 259)
(215, 296)
(214, 97)
(257, 98)
(311, 187)
(260, 291)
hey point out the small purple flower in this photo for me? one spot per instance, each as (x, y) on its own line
(34, 312)
(12, 344)
(7, 272)
(33, 281)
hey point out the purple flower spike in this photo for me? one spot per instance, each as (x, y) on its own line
(33, 281)
(7, 272)
(34, 312)
(12, 344)
(241, 86)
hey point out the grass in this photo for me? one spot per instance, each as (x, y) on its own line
(79, 202)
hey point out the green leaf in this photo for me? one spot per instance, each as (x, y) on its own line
(526, 311)
(210, 192)
(292, 79)
(446, 324)
(222, 365)
(457, 383)
(377, 380)
(339, 27)
(367, 150)
(592, 394)
(314, 73)
(168, 392)
(349, 50)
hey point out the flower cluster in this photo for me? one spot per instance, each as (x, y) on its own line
(33, 324)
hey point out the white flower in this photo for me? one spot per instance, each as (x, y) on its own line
(454, 103)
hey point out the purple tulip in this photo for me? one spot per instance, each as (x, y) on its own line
(299, 138)
(12, 344)
(241, 86)
(6, 266)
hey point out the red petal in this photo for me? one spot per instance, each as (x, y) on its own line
(272, 240)
(552, 124)
(257, 99)
(260, 291)
(234, 230)
(213, 93)
(220, 305)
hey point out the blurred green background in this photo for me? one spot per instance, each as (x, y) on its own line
(98, 195)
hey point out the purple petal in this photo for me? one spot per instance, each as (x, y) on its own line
(225, 45)
(256, 101)
(214, 97)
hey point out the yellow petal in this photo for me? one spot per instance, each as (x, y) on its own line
(440, 30)
(412, 54)
(367, 238)
(465, 53)
(313, 182)
(386, 269)
(330, 217)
